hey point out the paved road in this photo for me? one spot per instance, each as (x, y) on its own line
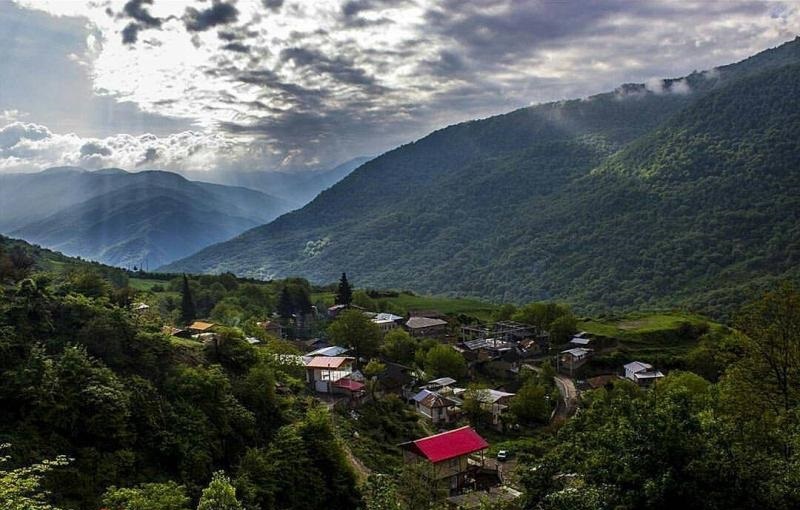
(569, 395)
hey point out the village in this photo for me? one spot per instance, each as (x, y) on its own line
(473, 386)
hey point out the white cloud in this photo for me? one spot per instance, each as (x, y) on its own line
(323, 81)
(31, 147)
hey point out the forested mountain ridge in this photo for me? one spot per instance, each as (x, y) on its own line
(552, 201)
(128, 219)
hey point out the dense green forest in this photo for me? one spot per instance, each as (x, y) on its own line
(626, 200)
(102, 409)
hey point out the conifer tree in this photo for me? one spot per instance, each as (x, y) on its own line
(344, 295)
(285, 305)
(188, 311)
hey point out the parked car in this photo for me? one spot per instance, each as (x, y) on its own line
(503, 455)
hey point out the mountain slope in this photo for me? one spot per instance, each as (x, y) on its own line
(298, 186)
(127, 219)
(615, 201)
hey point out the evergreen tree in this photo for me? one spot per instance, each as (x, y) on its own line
(344, 295)
(188, 311)
(285, 305)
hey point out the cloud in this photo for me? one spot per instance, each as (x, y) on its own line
(28, 147)
(220, 13)
(298, 83)
(92, 148)
(16, 132)
(136, 9)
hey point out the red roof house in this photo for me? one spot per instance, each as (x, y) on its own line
(449, 455)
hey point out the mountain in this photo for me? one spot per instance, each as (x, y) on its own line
(679, 194)
(124, 219)
(297, 185)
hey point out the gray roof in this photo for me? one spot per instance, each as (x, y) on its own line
(442, 381)
(578, 352)
(332, 351)
(424, 322)
(638, 366)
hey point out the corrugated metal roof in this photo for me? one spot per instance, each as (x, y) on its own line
(451, 444)
(327, 362)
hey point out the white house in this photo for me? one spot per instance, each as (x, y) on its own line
(642, 373)
(323, 371)
(387, 321)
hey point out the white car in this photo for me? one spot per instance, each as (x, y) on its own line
(502, 455)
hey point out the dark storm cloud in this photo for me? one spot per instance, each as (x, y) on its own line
(136, 9)
(220, 13)
(237, 47)
(273, 5)
(94, 148)
(130, 34)
(339, 68)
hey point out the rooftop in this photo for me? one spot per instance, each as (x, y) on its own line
(424, 322)
(201, 326)
(331, 351)
(327, 362)
(449, 445)
(638, 366)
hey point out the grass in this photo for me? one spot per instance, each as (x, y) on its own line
(661, 336)
(446, 305)
(145, 284)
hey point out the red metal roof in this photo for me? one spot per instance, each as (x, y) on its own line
(451, 444)
(349, 384)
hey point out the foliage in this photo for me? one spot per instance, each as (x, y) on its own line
(21, 488)
(344, 293)
(188, 312)
(529, 404)
(147, 496)
(219, 495)
(355, 330)
(444, 361)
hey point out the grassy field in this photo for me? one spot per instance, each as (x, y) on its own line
(445, 305)
(661, 338)
(146, 283)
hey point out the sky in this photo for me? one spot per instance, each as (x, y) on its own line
(225, 85)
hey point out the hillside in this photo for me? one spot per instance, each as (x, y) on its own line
(296, 185)
(126, 219)
(634, 198)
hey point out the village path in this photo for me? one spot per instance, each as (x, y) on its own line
(362, 471)
(569, 395)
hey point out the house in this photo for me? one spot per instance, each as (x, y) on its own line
(349, 387)
(335, 310)
(642, 373)
(581, 340)
(494, 401)
(396, 378)
(198, 327)
(387, 321)
(311, 344)
(140, 307)
(454, 456)
(272, 328)
(436, 407)
(572, 359)
(323, 371)
(426, 327)
(442, 383)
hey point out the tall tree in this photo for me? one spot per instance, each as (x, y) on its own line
(285, 305)
(354, 329)
(188, 311)
(344, 294)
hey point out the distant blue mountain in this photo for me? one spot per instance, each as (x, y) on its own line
(124, 219)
